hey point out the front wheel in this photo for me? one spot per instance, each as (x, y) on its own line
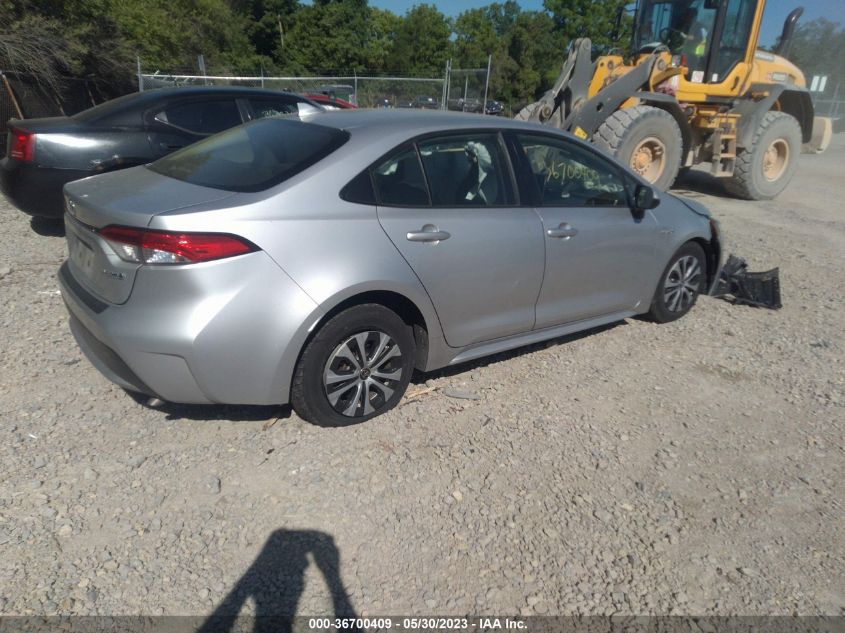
(645, 138)
(356, 367)
(683, 279)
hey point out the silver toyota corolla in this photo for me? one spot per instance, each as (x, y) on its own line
(319, 263)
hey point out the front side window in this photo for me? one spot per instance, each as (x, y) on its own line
(739, 18)
(570, 176)
(252, 157)
(202, 117)
(684, 26)
(466, 170)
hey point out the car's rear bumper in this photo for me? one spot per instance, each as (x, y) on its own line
(36, 190)
(224, 332)
(94, 326)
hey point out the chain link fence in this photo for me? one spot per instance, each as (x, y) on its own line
(457, 89)
(362, 91)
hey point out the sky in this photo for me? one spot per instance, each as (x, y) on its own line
(776, 11)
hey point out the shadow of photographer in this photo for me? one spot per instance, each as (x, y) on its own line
(275, 582)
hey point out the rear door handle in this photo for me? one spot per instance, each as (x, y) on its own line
(564, 231)
(429, 233)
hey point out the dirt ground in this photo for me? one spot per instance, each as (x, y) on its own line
(689, 468)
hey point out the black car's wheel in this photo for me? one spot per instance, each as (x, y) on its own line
(683, 279)
(356, 367)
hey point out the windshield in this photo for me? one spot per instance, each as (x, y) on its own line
(252, 157)
(684, 26)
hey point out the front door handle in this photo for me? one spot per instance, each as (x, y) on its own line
(564, 231)
(428, 233)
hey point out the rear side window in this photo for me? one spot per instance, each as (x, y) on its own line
(202, 117)
(106, 109)
(252, 157)
(262, 108)
(400, 182)
(466, 170)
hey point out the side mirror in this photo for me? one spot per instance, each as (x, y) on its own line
(644, 198)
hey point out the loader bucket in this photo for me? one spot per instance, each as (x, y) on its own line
(822, 134)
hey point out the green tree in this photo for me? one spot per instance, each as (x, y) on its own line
(169, 35)
(422, 43)
(326, 38)
(379, 49)
(536, 51)
(809, 40)
(586, 18)
(475, 38)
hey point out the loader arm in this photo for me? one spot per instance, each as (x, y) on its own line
(569, 104)
(570, 89)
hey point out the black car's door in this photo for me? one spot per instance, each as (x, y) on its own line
(182, 122)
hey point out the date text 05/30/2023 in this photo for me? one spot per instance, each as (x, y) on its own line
(416, 624)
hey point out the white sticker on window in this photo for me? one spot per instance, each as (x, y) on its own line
(697, 76)
(714, 78)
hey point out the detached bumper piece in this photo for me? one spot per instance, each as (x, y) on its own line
(755, 289)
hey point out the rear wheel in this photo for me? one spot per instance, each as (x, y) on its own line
(764, 169)
(356, 367)
(645, 138)
(683, 279)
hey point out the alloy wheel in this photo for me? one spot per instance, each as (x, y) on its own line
(362, 373)
(682, 284)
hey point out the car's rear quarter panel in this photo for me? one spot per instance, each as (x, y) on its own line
(304, 222)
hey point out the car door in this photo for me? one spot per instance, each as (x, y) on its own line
(596, 248)
(185, 121)
(448, 204)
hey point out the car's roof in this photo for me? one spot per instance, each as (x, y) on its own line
(414, 122)
(118, 109)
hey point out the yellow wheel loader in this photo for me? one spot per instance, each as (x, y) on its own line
(695, 89)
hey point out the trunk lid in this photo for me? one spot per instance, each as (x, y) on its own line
(46, 125)
(130, 197)
(50, 124)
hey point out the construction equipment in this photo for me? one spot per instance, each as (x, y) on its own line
(694, 89)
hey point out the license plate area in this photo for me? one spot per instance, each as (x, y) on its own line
(95, 266)
(81, 254)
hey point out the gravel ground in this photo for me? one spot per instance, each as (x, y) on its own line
(689, 468)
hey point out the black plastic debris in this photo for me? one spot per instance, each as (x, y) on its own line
(755, 289)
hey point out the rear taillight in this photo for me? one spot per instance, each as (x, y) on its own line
(145, 246)
(22, 147)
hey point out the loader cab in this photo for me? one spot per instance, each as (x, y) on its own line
(710, 38)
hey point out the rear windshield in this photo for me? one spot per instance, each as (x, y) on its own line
(252, 157)
(105, 109)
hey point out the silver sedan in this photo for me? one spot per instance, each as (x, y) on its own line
(319, 263)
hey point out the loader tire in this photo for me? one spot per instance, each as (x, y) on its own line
(763, 170)
(646, 139)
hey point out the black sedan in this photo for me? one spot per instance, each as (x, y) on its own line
(493, 107)
(44, 154)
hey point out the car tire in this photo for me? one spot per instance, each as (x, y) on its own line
(337, 383)
(763, 170)
(646, 139)
(682, 281)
